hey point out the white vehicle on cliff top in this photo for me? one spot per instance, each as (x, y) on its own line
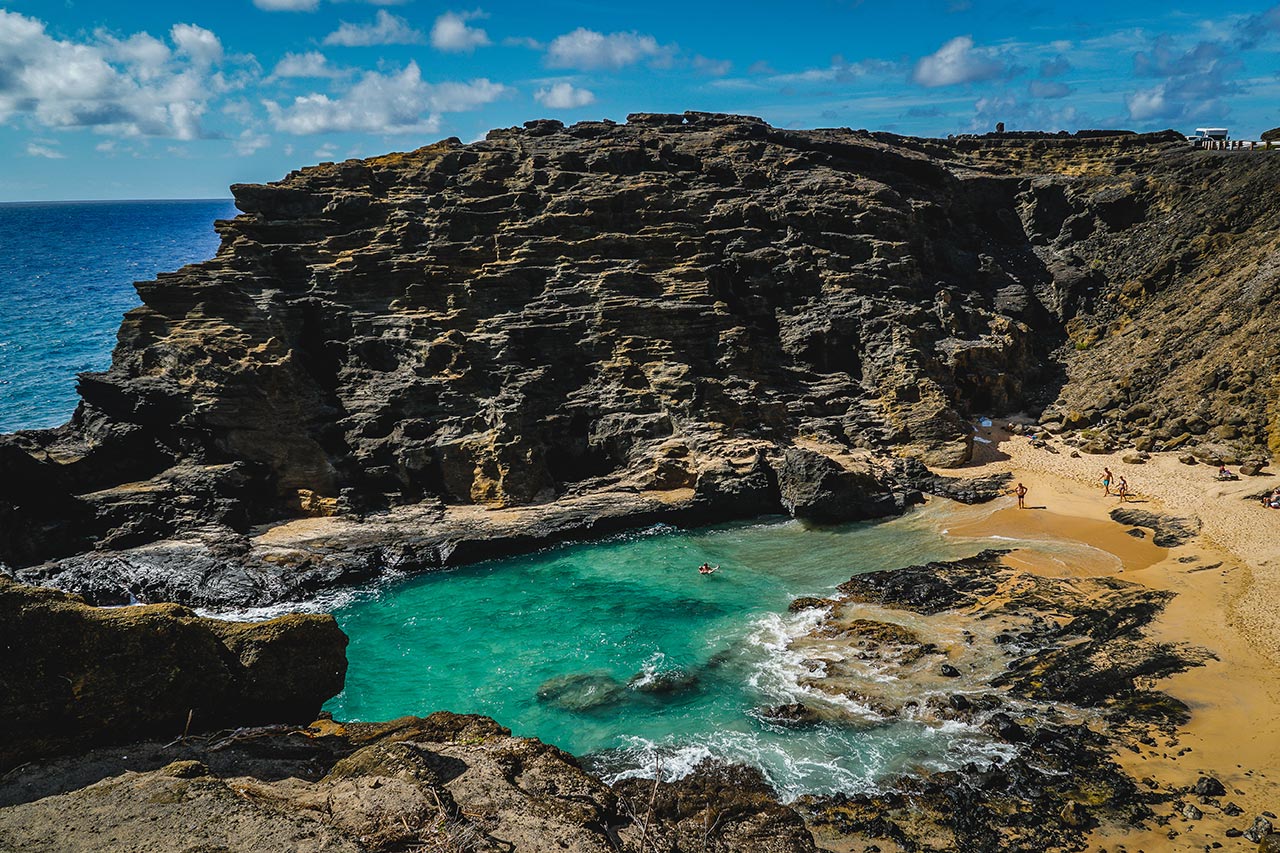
(1206, 135)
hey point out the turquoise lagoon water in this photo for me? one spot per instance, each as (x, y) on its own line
(591, 626)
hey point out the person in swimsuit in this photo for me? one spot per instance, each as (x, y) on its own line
(1107, 477)
(1123, 490)
(1021, 492)
(707, 569)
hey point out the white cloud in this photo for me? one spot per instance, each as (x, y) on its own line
(142, 52)
(136, 86)
(1048, 89)
(310, 64)
(958, 61)
(250, 142)
(385, 29)
(564, 96)
(1147, 103)
(287, 5)
(397, 102)
(523, 41)
(590, 50)
(460, 97)
(839, 71)
(712, 67)
(201, 45)
(45, 149)
(451, 33)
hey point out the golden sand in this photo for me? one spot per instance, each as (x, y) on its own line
(1228, 601)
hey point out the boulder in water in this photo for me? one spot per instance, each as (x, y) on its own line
(581, 691)
(791, 714)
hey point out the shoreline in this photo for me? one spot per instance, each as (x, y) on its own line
(1227, 600)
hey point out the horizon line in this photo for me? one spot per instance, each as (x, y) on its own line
(113, 200)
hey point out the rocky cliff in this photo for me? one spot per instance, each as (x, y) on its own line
(420, 358)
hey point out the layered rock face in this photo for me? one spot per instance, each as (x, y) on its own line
(662, 313)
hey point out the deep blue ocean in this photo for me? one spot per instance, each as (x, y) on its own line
(66, 276)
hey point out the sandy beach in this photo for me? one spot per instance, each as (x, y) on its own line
(1227, 582)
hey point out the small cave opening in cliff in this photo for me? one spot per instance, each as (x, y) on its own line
(571, 454)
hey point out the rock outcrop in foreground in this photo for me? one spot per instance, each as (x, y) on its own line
(449, 783)
(74, 676)
(656, 320)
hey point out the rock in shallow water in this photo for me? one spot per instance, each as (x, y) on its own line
(582, 691)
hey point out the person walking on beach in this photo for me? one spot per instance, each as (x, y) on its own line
(1123, 490)
(1021, 492)
(1107, 477)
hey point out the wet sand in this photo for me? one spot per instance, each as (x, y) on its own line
(1228, 601)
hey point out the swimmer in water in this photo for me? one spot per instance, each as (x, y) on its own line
(707, 569)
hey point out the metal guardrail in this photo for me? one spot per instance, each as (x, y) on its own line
(1234, 145)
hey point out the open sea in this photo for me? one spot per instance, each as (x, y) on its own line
(66, 277)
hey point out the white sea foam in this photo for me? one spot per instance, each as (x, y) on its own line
(649, 670)
(327, 601)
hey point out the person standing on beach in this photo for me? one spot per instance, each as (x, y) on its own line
(1107, 477)
(1123, 490)
(1021, 492)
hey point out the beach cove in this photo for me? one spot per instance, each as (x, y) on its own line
(674, 674)
(447, 434)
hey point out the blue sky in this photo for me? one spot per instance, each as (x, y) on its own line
(147, 99)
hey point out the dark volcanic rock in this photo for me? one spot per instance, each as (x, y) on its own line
(930, 588)
(1208, 786)
(1170, 531)
(72, 675)
(915, 473)
(1259, 830)
(1075, 649)
(818, 488)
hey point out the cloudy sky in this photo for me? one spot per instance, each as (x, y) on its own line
(150, 99)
